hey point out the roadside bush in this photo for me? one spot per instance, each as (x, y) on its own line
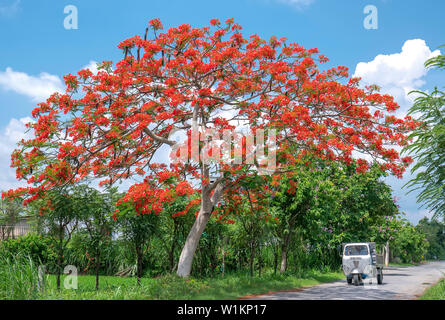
(40, 249)
(410, 245)
(80, 253)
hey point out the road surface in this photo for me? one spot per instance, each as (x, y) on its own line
(401, 283)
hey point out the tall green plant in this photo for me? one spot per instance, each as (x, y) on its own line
(428, 148)
(138, 230)
(96, 211)
(19, 278)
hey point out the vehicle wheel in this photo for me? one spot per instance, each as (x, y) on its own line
(380, 277)
(356, 280)
(349, 280)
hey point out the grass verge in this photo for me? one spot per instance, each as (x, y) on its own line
(436, 292)
(398, 265)
(175, 288)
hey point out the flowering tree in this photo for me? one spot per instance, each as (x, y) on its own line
(111, 124)
(387, 232)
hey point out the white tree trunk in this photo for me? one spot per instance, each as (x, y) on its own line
(188, 252)
(284, 248)
(387, 254)
(283, 261)
(192, 241)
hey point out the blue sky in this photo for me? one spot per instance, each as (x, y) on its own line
(36, 49)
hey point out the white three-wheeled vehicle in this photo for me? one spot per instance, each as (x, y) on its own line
(362, 263)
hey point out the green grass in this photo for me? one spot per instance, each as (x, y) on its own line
(436, 292)
(175, 288)
(401, 264)
(19, 280)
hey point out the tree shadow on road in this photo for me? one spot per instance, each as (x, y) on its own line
(339, 291)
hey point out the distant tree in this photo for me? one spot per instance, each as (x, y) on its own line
(410, 244)
(96, 211)
(428, 149)
(329, 204)
(386, 232)
(138, 230)
(60, 213)
(10, 212)
(435, 234)
(295, 197)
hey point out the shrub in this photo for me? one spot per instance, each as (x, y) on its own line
(38, 248)
(115, 255)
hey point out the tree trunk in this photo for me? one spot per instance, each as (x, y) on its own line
(223, 257)
(275, 261)
(191, 243)
(171, 253)
(295, 261)
(139, 264)
(283, 260)
(284, 248)
(252, 258)
(387, 254)
(208, 203)
(60, 257)
(260, 261)
(58, 277)
(97, 269)
(213, 259)
(285, 243)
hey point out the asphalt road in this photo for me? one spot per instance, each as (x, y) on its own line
(401, 283)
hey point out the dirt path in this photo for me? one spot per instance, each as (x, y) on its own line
(400, 283)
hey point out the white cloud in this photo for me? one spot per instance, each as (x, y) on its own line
(92, 65)
(399, 73)
(38, 88)
(297, 4)
(16, 129)
(13, 133)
